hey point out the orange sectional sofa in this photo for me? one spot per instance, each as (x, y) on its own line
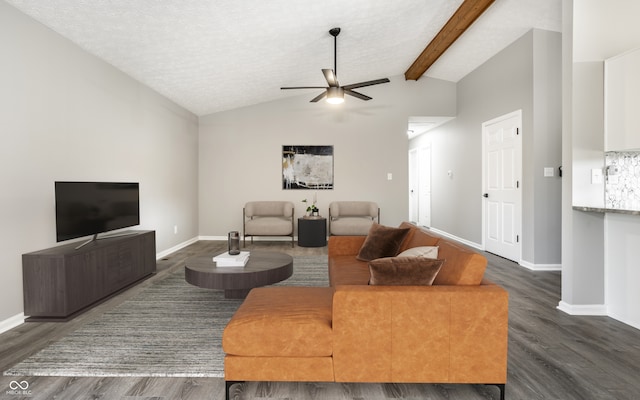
(454, 331)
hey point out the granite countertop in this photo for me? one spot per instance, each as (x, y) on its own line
(606, 210)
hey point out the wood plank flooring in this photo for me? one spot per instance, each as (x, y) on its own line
(551, 355)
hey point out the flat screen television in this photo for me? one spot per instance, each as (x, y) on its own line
(90, 208)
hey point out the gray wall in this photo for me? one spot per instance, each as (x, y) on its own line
(525, 75)
(546, 238)
(68, 116)
(584, 268)
(240, 150)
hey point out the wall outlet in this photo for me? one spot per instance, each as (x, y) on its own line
(548, 172)
(175, 229)
(389, 176)
(596, 176)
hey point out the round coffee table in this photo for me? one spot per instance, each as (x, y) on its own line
(263, 268)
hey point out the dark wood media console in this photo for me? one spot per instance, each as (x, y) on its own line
(63, 281)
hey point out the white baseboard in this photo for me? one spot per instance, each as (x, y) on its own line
(255, 239)
(599, 310)
(541, 267)
(176, 248)
(450, 236)
(195, 239)
(478, 246)
(212, 237)
(11, 322)
(583, 309)
(634, 324)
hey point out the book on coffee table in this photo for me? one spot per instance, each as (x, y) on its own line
(227, 260)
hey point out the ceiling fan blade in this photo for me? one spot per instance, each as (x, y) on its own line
(319, 97)
(367, 83)
(304, 87)
(331, 78)
(356, 94)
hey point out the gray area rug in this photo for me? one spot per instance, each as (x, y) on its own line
(170, 329)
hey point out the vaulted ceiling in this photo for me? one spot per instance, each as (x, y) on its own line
(210, 56)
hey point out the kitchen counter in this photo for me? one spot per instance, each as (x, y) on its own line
(606, 210)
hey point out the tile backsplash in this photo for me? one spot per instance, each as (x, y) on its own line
(622, 188)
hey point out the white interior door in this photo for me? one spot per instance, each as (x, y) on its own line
(413, 185)
(424, 185)
(502, 166)
(420, 186)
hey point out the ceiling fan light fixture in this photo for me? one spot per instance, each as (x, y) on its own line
(335, 95)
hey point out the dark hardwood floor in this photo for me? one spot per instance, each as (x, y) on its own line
(551, 355)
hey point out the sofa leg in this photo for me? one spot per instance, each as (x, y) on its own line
(227, 386)
(500, 386)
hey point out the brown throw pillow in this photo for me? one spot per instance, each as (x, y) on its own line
(382, 241)
(408, 271)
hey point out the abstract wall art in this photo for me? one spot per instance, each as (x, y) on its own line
(307, 167)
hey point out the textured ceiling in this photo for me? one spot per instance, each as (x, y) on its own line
(214, 55)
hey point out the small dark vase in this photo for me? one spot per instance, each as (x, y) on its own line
(234, 243)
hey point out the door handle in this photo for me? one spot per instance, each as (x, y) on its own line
(486, 195)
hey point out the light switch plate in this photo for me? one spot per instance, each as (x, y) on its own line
(596, 176)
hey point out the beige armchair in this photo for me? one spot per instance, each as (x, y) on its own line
(267, 218)
(352, 218)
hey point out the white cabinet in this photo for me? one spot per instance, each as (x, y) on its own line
(622, 102)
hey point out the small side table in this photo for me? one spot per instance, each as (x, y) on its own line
(312, 232)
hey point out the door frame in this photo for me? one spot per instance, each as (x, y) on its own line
(517, 113)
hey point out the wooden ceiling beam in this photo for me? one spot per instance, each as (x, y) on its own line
(459, 22)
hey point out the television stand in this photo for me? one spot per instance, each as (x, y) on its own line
(61, 282)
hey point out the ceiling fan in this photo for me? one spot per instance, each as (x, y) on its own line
(334, 92)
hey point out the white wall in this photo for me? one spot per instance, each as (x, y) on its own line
(241, 150)
(600, 253)
(622, 252)
(588, 140)
(526, 75)
(583, 271)
(65, 115)
(603, 29)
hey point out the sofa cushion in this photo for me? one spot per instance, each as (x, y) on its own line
(269, 208)
(417, 237)
(382, 241)
(462, 266)
(346, 270)
(347, 226)
(353, 208)
(268, 226)
(404, 271)
(421, 251)
(282, 322)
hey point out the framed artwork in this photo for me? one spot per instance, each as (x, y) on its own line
(307, 167)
